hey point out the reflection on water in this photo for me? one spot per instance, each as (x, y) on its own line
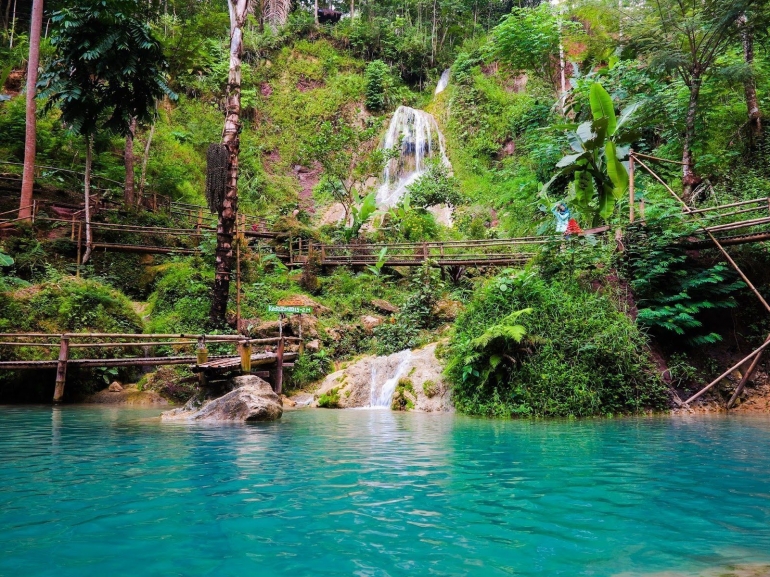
(112, 491)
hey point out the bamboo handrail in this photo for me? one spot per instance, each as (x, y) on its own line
(649, 156)
(731, 205)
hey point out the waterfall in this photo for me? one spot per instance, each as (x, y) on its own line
(442, 82)
(383, 397)
(421, 140)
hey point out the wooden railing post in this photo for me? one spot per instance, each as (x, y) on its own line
(61, 369)
(80, 242)
(245, 351)
(279, 367)
(238, 275)
(631, 186)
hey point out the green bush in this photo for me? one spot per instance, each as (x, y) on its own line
(415, 315)
(430, 388)
(580, 356)
(330, 400)
(377, 77)
(68, 305)
(404, 396)
(674, 291)
(181, 299)
(310, 367)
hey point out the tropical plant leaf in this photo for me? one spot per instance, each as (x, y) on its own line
(5, 260)
(616, 171)
(601, 106)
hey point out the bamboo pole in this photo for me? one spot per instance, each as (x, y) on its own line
(279, 368)
(731, 205)
(80, 244)
(658, 158)
(237, 274)
(744, 380)
(61, 370)
(244, 348)
(727, 372)
(713, 238)
(631, 186)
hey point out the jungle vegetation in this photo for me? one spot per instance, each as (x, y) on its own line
(544, 104)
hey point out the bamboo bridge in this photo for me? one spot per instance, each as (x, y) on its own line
(109, 346)
(717, 227)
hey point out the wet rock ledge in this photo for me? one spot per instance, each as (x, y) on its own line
(251, 399)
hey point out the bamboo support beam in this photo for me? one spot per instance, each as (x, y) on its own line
(731, 205)
(727, 372)
(744, 380)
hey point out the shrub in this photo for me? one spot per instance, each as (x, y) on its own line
(581, 356)
(430, 388)
(415, 314)
(435, 186)
(674, 291)
(330, 400)
(404, 396)
(310, 367)
(377, 81)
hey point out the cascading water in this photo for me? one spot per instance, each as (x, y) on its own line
(443, 82)
(421, 140)
(381, 395)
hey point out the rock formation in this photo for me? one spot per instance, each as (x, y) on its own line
(251, 399)
(361, 384)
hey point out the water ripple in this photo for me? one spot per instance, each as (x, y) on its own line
(111, 491)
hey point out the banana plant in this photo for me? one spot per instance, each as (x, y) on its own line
(599, 159)
(361, 214)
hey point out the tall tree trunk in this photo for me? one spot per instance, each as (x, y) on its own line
(352, 8)
(689, 178)
(128, 158)
(30, 140)
(315, 13)
(229, 209)
(749, 85)
(145, 159)
(87, 195)
(13, 24)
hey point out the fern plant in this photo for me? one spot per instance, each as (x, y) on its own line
(493, 353)
(674, 291)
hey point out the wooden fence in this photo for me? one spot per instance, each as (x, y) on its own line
(110, 344)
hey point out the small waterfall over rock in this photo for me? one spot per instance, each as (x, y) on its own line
(421, 140)
(381, 393)
(443, 82)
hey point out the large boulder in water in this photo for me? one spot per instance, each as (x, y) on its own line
(251, 399)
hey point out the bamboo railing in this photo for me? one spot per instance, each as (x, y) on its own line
(201, 361)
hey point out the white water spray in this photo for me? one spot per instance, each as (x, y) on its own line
(421, 140)
(443, 82)
(381, 395)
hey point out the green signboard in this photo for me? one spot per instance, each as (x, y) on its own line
(290, 310)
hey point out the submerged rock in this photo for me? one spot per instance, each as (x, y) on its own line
(251, 399)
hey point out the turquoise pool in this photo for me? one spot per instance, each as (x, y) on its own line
(106, 491)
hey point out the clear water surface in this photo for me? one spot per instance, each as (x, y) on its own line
(106, 491)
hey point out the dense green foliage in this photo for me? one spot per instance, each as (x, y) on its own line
(571, 354)
(315, 104)
(673, 291)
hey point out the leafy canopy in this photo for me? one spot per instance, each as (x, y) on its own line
(108, 66)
